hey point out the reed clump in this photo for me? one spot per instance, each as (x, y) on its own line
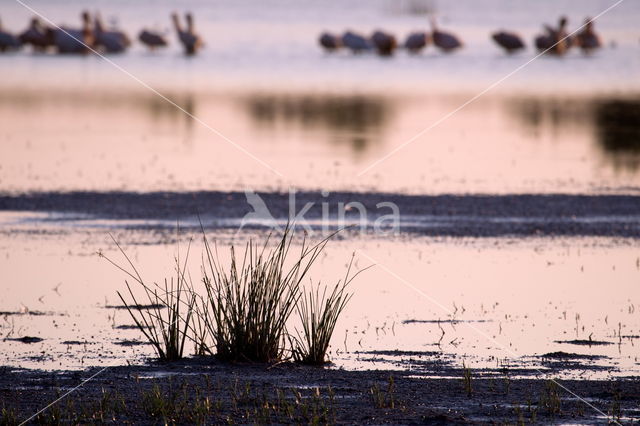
(244, 312)
(318, 314)
(165, 320)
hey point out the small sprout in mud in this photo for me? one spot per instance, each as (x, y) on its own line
(466, 379)
(382, 398)
(519, 413)
(550, 398)
(615, 411)
(177, 404)
(8, 417)
(533, 410)
(507, 378)
(53, 415)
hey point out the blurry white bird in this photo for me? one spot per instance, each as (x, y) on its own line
(554, 41)
(188, 37)
(110, 41)
(447, 42)
(355, 42)
(152, 39)
(416, 41)
(74, 40)
(511, 42)
(37, 35)
(384, 43)
(8, 41)
(587, 39)
(330, 41)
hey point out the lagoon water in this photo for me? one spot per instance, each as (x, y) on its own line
(276, 112)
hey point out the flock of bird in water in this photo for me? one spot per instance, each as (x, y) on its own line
(554, 40)
(93, 36)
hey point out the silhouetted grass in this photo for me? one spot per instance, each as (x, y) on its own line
(319, 315)
(247, 306)
(243, 313)
(167, 321)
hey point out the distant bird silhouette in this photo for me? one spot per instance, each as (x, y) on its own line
(152, 39)
(554, 40)
(110, 41)
(384, 43)
(416, 41)
(587, 39)
(73, 40)
(543, 42)
(330, 41)
(189, 39)
(355, 42)
(509, 41)
(37, 35)
(8, 41)
(444, 41)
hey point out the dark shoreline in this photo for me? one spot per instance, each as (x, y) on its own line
(433, 215)
(257, 393)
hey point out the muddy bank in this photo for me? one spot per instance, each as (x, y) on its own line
(435, 215)
(202, 391)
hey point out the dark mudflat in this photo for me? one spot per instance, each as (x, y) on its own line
(203, 390)
(434, 215)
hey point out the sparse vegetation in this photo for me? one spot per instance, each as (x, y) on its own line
(246, 307)
(319, 315)
(252, 394)
(167, 319)
(244, 311)
(466, 379)
(615, 410)
(550, 398)
(381, 398)
(8, 417)
(184, 404)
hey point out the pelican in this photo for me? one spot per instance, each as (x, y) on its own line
(510, 42)
(111, 41)
(356, 42)
(189, 39)
(444, 41)
(152, 39)
(37, 35)
(72, 40)
(384, 43)
(417, 41)
(587, 39)
(8, 41)
(543, 42)
(554, 40)
(330, 41)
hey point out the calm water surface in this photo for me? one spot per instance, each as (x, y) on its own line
(318, 121)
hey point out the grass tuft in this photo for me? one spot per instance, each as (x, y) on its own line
(319, 315)
(167, 321)
(246, 307)
(243, 313)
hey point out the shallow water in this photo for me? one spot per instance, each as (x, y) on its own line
(275, 111)
(488, 301)
(106, 141)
